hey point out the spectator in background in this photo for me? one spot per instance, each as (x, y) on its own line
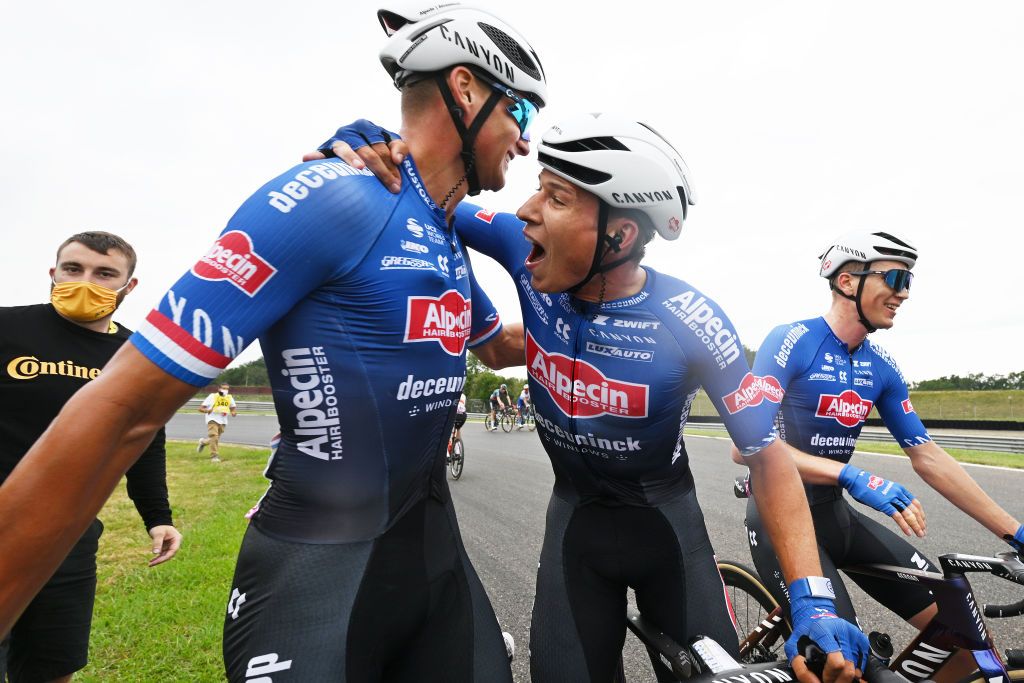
(217, 406)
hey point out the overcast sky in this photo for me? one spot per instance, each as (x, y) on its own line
(799, 121)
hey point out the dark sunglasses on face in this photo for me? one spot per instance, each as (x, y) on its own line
(897, 279)
(521, 109)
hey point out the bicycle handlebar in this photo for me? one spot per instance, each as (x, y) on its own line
(1001, 611)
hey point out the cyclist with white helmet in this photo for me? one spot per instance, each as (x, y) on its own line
(523, 405)
(825, 376)
(352, 568)
(616, 353)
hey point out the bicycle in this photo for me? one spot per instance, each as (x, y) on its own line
(526, 419)
(456, 456)
(957, 625)
(507, 419)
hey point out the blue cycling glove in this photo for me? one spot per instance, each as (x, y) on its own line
(813, 611)
(881, 494)
(358, 134)
(1017, 540)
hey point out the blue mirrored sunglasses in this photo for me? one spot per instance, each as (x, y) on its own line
(897, 279)
(521, 109)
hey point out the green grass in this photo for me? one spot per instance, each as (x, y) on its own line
(937, 405)
(961, 454)
(164, 623)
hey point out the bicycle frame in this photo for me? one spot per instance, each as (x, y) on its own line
(958, 624)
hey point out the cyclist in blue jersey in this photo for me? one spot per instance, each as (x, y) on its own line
(352, 567)
(616, 353)
(829, 375)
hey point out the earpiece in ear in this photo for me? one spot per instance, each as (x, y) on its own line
(616, 241)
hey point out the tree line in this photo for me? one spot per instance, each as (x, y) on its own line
(481, 381)
(972, 382)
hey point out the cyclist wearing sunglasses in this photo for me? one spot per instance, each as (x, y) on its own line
(829, 376)
(353, 568)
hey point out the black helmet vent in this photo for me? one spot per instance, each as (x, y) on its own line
(510, 48)
(585, 176)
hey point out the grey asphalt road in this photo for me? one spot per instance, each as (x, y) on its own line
(502, 497)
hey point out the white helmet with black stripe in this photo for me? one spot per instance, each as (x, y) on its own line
(625, 163)
(431, 39)
(866, 246)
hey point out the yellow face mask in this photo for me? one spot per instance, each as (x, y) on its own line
(83, 301)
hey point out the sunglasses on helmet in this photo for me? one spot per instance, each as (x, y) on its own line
(521, 109)
(897, 279)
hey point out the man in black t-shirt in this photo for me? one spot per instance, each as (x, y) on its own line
(48, 352)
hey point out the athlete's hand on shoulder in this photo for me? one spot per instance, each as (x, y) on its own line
(166, 541)
(885, 496)
(1017, 540)
(814, 615)
(364, 144)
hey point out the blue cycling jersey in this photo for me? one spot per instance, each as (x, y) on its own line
(827, 392)
(361, 302)
(612, 384)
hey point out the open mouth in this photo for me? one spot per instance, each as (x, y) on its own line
(892, 307)
(537, 253)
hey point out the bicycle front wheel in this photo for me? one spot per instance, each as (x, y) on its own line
(507, 421)
(458, 457)
(754, 608)
(531, 423)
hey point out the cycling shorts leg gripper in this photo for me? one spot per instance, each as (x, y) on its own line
(556, 651)
(871, 542)
(288, 612)
(699, 606)
(770, 572)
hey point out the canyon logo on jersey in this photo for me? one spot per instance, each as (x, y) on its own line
(232, 258)
(752, 391)
(444, 319)
(581, 390)
(848, 408)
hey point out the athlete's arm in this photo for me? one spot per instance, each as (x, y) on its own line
(741, 398)
(55, 492)
(505, 349)
(948, 477)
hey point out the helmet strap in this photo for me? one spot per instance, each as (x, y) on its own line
(855, 298)
(605, 245)
(467, 135)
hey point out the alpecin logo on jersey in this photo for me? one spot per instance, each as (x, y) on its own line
(908, 407)
(232, 258)
(848, 408)
(578, 382)
(444, 319)
(752, 391)
(485, 216)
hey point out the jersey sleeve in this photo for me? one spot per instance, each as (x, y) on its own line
(745, 401)
(311, 224)
(486, 323)
(895, 408)
(498, 235)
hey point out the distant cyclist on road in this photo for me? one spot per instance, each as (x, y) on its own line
(499, 401)
(829, 375)
(353, 568)
(523, 406)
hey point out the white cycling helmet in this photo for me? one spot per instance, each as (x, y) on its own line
(866, 246)
(627, 164)
(430, 39)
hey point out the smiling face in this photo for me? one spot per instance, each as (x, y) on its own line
(498, 142)
(878, 301)
(561, 224)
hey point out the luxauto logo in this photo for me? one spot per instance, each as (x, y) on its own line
(444, 319)
(752, 391)
(848, 408)
(232, 258)
(581, 390)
